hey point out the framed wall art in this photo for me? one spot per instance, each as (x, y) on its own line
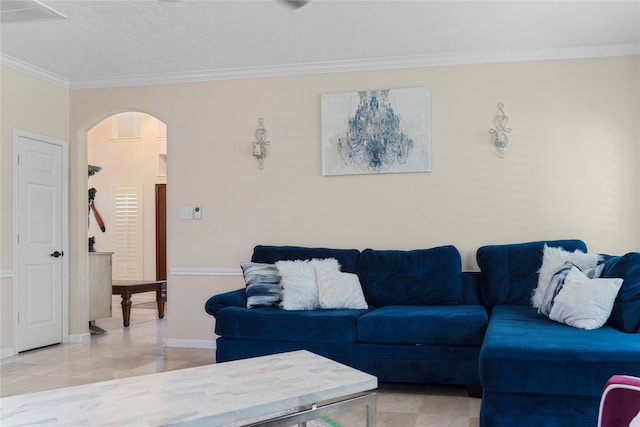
(378, 131)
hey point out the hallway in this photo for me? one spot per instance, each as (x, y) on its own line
(121, 352)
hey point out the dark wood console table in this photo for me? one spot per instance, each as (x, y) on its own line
(126, 288)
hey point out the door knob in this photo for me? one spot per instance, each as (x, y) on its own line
(56, 254)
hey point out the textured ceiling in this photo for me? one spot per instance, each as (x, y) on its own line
(119, 42)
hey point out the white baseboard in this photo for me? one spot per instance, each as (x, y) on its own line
(177, 342)
(80, 338)
(7, 352)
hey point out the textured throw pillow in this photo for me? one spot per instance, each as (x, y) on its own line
(339, 290)
(553, 287)
(552, 259)
(263, 284)
(299, 287)
(584, 303)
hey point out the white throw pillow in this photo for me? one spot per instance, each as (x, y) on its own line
(339, 290)
(299, 287)
(584, 303)
(552, 260)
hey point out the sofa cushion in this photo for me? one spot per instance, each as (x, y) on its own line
(274, 324)
(509, 273)
(460, 325)
(417, 277)
(524, 352)
(625, 315)
(348, 258)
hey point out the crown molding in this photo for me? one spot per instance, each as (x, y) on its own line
(33, 71)
(371, 64)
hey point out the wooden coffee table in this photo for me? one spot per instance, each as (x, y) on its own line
(256, 391)
(126, 288)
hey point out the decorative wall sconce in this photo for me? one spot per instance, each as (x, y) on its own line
(500, 138)
(260, 144)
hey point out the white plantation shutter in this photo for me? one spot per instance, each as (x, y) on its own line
(127, 257)
(128, 125)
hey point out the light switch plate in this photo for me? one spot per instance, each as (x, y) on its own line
(185, 212)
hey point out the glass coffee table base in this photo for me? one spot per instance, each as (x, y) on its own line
(317, 411)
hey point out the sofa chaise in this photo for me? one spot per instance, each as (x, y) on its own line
(426, 321)
(537, 372)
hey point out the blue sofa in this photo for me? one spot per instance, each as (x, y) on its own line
(429, 322)
(405, 290)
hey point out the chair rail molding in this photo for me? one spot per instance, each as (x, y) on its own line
(207, 271)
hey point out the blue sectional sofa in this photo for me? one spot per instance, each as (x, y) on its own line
(537, 372)
(429, 322)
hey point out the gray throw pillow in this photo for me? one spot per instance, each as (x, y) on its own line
(263, 284)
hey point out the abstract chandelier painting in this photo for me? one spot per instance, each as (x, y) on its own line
(378, 131)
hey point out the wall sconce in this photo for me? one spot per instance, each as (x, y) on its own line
(260, 144)
(500, 138)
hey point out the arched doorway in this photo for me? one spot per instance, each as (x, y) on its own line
(130, 150)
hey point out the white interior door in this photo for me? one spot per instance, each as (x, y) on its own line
(41, 226)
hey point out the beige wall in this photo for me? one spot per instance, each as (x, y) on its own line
(569, 172)
(35, 106)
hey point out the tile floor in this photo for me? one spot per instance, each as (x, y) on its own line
(140, 349)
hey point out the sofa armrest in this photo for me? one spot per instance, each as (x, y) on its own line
(235, 298)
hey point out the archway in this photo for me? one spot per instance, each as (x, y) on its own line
(126, 154)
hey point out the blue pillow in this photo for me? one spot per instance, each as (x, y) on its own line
(509, 273)
(418, 277)
(625, 315)
(263, 284)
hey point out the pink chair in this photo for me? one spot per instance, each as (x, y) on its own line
(620, 402)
